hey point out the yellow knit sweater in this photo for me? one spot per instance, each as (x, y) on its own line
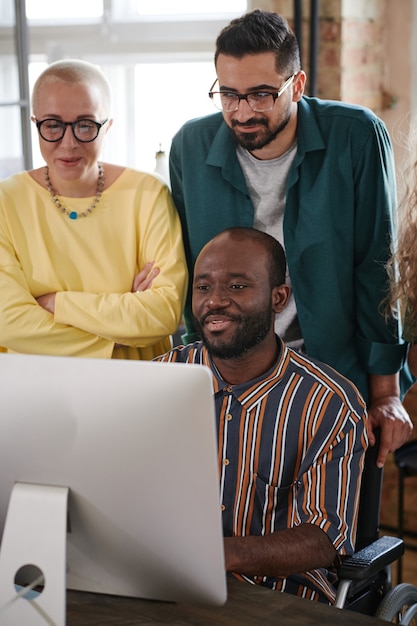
(90, 263)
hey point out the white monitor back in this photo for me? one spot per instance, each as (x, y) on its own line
(135, 442)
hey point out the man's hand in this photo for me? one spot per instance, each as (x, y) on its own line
(387, 412)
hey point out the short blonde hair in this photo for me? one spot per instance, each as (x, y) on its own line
(73, 71)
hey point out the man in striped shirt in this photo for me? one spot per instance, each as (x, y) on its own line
(291, 430)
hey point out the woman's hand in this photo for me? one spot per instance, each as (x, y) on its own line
(47, 302)
(144, 279)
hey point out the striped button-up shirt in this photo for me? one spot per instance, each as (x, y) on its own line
(291, 447)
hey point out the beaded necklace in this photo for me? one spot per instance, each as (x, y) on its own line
(73, 215)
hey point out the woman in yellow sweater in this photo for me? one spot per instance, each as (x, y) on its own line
(91, 255)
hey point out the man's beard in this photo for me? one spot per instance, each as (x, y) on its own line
(252, 330)
(257, 140)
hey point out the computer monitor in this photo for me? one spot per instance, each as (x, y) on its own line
(135, 443)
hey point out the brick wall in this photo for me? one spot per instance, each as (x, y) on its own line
(350, 59)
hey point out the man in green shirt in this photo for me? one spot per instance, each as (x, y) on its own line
(319, 177)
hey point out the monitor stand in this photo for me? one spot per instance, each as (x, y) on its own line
(34, 536)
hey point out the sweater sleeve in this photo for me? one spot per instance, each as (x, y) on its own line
(27, 327)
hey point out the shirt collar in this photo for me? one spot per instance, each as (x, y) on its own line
(241, 391)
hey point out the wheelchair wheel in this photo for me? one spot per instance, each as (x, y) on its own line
(399, 606)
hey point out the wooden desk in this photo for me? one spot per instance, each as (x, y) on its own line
(246, 604)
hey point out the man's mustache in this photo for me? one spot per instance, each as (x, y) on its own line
(252, 122)
(219, 313)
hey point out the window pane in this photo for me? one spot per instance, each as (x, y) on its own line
(7, 11)
(181, 7)
(11, 157)
(9, 80)
(51, 9)
(167, 95)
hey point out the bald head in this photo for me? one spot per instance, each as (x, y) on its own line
(70, 72)
(267, 248)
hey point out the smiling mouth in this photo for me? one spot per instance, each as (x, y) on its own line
(216, 324)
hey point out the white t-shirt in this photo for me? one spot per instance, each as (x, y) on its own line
(266, 181)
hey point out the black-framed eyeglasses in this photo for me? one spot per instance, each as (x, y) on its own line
(83, 130)
(258, 101)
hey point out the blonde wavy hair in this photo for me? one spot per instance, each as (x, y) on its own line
(402, 266)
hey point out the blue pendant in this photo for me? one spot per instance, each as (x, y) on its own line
(73, 215)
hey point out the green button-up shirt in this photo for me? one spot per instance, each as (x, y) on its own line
(340, 199)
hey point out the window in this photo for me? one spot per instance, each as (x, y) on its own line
(181, 95)
(138, 49)
(15, 149)
(53, 10)
(184, 7)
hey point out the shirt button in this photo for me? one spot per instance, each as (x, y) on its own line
(226, 461)
(222, 508)
(228, 389)
(229, 417)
